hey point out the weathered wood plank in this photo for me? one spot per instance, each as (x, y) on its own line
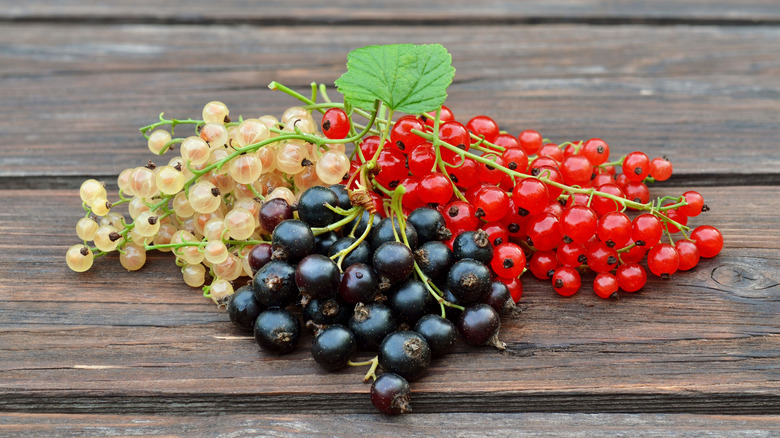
(403, 12)
(706, 97)
(431, 425)
(115, 342)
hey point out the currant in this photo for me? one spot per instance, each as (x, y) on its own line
(391, 394)
(335, 123)
(508, 260)
(440, 334)
(578, 223)
(709, 241)
(435, 188)
(401, 136)
(543, 264)
(614, 229)
(317, 276)
(333, 346)
(566, 281)
(277, 330)
(688, 254)
(530, 141)
(596, 151)
(631, 277)
(492, 203)
(636, 166)
(544, 231)
(605, 285)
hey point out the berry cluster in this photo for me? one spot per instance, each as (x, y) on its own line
(423, 233)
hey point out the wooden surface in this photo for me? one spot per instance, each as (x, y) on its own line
(116, 353)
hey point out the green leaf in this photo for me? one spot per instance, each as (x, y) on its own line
(409, 78)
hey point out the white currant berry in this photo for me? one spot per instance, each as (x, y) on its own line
(215, 112)
(79, 258)
(230, 269)
(169, 180)
(215, 134)
(101, 206)
(216, 252)
(86, 228)
(90, 190)
(107, 238)
(132, 257)
(194, 275)
(147, 224)
(204, 197)
(195, 150)
(220, 291)
(157, 140)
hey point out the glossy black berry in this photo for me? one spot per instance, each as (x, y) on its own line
(273, 212)
(439, 332)
(341, 192)
(274, 284)
(277, 331)
(383, 233)
(324, 241)
(469, 280)
(405, 353)
(312, 206)
(479, 325)
(435, 259)
(391, 394)
(473, 245)
(498, 297)
(361, 253)
(453, 314)
(410, 300)
(317, 276)
(292, 240)
(371, 323)
(333, 346)
(359, 284)
(394, 261)
(259, 255)
(362, 222)
(243, 308)
(429, 224)
(327, 311)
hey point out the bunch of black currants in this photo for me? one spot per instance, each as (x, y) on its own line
(386, 285)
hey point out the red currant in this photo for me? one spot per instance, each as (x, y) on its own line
(689, 254)
(660, 169)
(663, 260)
(530, 141)
(566, 281)
(460, 216)
(601, 258)
(578, 223)
(646, 230)
(530, 196)
(496, 231)
(402, 137)
(491, 174)
(596, 150)
(695, 204)
(392, 165)
(631, 277)
(483, 126)
(544, 231)
(636, 166)
(455, 134)
(576, 170)
(422, 159)
(637, 192)
(492, 203)
(571, 254)
(543, 264)
(435, 188)
(614, 229)
(445, 116)
(552, 174)
(515, 287)
(464, 175)
(605, 285)
(508, 260)
(335, 123)
(602, 205)
(506, 141)
(708, 240)
(551, 150)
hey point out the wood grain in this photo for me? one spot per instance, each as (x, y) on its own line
(114, 342)
(706, 97)
(406, 12)
(353, 425)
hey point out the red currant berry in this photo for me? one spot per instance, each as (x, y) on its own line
(422, 159)
(708, 240)
(515, 287)
(601, 258)
(663, 260)
(576, 199)
(646, 230)
(506, 141)
(392, 165)
(515, 159)
(605, 285)
(566, 281)
(602, 178)
(491, 174)
(497, 232)
(508, 260)
(631, 277)
(435, 188)
(492, 204)
(602, 205)
(554, 175)
(576, 170)
(634, 254)
(370, 145)
(540, 162)
(695, 204)
(614, 229)
(596, 150)
(460, 216)
(554, 208)
(677, 216)
(689, 254)
(571, 254)
(514, 223)
(543, 264)
(660, 169)
(637, 192)
(530, 196)
(578, 223)
(401, 136)
(464, 175)
(544, 231)
(456, 135)
(551, 150)
(530, 141)
(411, 198)
(335, 123)
(483, 126)
(445, 116)
(636, 166)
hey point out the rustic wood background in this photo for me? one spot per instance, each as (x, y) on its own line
(116, 353)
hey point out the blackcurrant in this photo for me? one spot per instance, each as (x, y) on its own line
(439, 332)
(258, 256)
(453, 314)
(473, 245)
(410, 300)
(394, 261)
(383, 233)
(333, 346)
(479, 325)
(243, 308)
(361, 253)
(371, 323)
(317, 276)
(273, 212)
(292, 240)
(326, 311)
(359, 284)
(391, 394)
(274, 284)
(312, 206)
(499, 297)
(324, 241)
(277, 330)
(469, 280)
(429, 224)
(341, 192)
(405, 353)
(434, 259)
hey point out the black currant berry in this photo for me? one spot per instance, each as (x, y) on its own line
(434, 259)
(273, 212)
(341, 192)
(473, 245)
(391, 394)
(410, 300)
(243, 308)
(312, 206)
(317, 276)
(324, 241)
(362, 223)
(405, 353)
(333, 346)
(327, 311)
(359, 284)
(479, 325)
(499, 297)
(292, 240)
(259, 256)
(394, 261)
(277, 330)
(429, 224)
(439, 332)
(361, 253)
(383, 233)
(274, 284)
(469, 280)
(453, 314)
(371, 323)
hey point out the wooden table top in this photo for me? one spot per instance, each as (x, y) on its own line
(110, 352)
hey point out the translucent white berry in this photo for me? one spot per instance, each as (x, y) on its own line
(79, 258)
(157, 140)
